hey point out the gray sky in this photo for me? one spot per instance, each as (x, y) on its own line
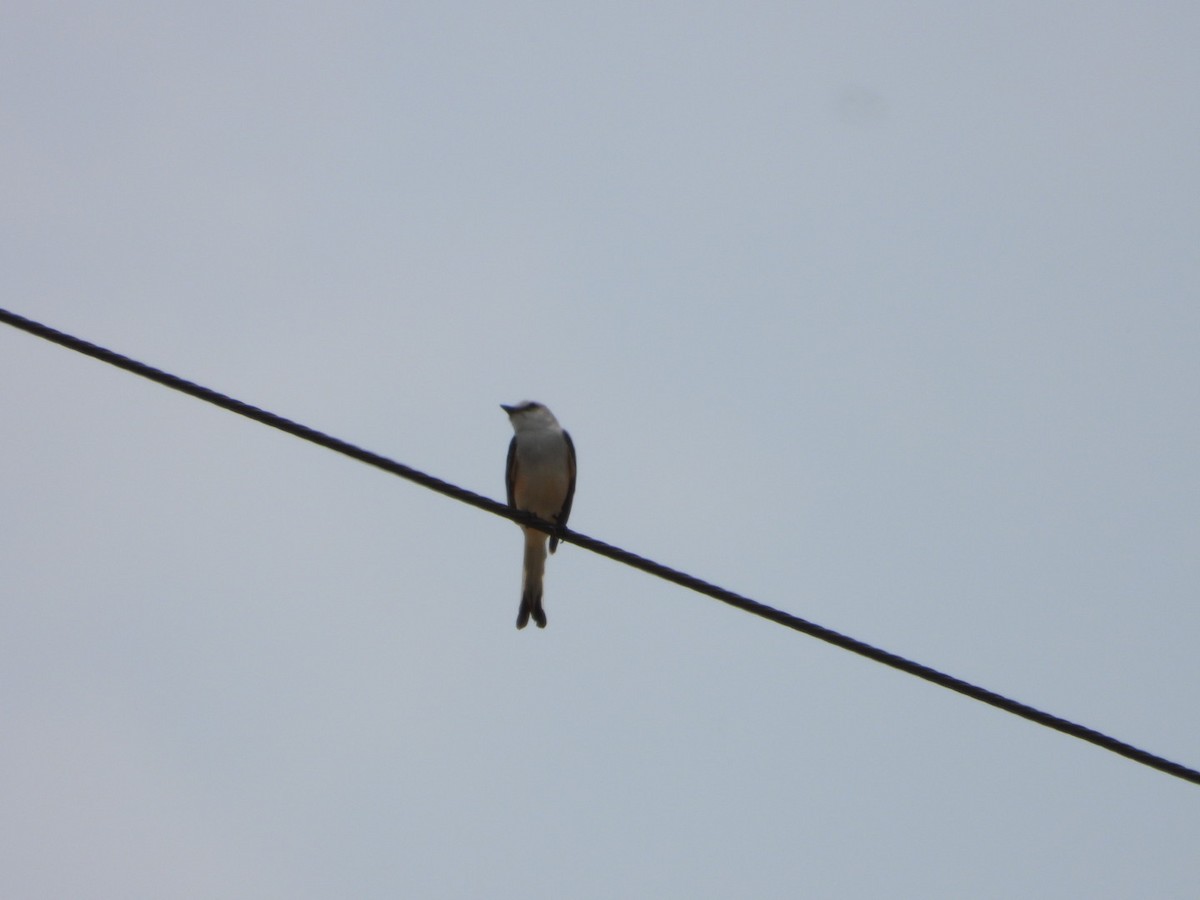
(883, 314)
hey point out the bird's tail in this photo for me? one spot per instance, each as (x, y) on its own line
(531, 585)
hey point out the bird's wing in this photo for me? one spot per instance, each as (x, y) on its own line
(510, 472)
(565, 512)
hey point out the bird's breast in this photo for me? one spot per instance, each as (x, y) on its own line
(542, 476)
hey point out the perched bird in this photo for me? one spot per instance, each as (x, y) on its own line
(540, 480)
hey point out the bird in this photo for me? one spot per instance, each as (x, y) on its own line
(540, 479)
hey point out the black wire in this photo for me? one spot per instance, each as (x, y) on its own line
(615, 553)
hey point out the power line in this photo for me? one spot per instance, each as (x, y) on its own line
(683, 579)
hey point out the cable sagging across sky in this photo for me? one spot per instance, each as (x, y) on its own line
(649, 566)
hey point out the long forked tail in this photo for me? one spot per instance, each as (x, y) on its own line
(531, 585)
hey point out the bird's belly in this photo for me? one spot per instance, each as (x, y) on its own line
(543, 496)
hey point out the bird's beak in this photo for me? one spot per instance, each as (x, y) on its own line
(508, 409)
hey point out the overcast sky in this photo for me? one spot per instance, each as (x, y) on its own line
(883, 314)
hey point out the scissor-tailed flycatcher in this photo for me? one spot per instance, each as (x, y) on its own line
(540, 480)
